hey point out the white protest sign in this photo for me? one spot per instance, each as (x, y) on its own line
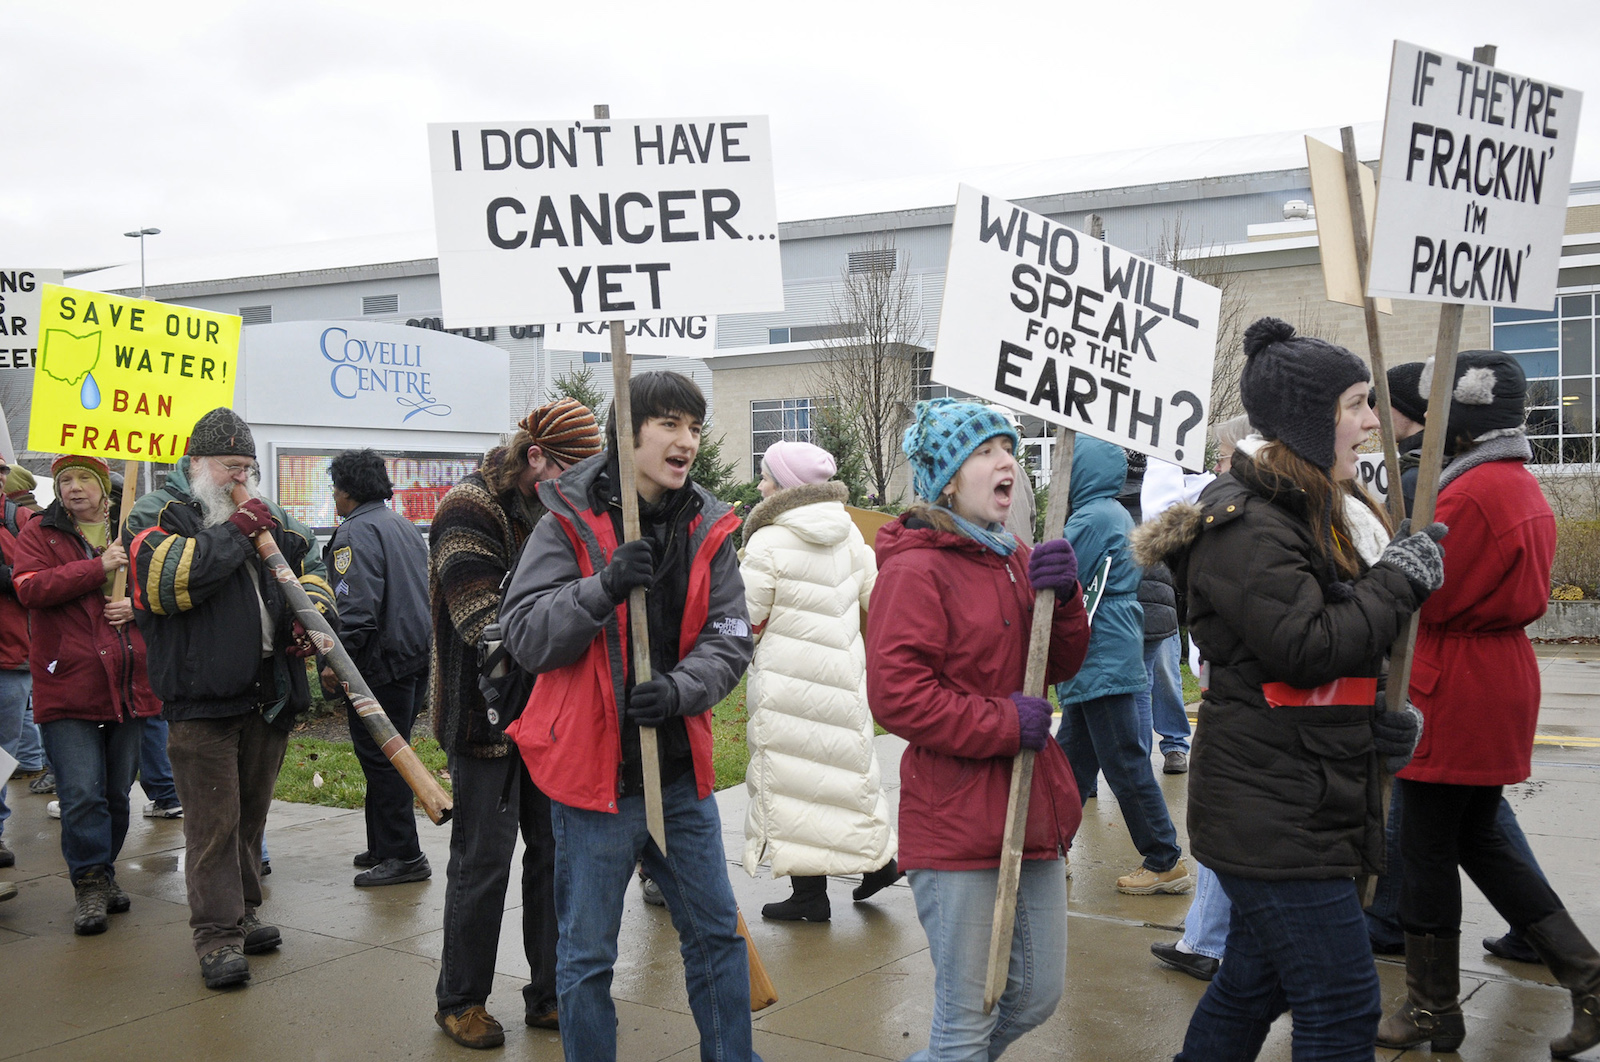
(1046, 320)
(1373, 474)
(685, 336)
(605, 220)
(19, 345)
(1472, 197)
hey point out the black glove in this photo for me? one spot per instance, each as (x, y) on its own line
(653, 703)
(1395, 734)
(632, 564)
(1418, 557)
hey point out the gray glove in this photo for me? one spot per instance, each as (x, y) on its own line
(1395, 734)
(1418, 557)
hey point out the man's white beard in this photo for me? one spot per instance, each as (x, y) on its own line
(216, 499)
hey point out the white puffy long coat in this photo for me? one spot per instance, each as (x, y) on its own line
(816, 796)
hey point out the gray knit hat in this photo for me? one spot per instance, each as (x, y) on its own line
(221, 433)
(1404, 395)
(1291, 386)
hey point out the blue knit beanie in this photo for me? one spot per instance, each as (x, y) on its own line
(943, 436)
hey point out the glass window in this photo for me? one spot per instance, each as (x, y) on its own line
(777, 335)
(1506, 315)
(1577, 406)
(778, 420)
(1577, 346)
(1538, 363)
(1534, 336)
(1577, 305)
(597, 357)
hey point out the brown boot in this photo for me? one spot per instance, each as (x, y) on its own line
(1432, 1010)
(1570, 956)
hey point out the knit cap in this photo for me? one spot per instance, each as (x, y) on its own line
(1488, 397)
(792, 463)
(221, 433)
(96, 467)
(564, 429)
(942, 437)
(1404, 395)
(1291, 386)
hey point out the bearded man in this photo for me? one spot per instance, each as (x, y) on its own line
(227, 659)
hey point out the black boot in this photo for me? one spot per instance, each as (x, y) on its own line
(1432, 1010)
(89, 917)
(875, 881)
(808, 904)
(1570, 956)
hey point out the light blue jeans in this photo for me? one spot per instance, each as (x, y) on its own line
(14, 689)
(1205, 927)
(956, 908)
(1161, 704)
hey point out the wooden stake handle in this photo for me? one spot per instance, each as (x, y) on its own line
(762, 992)
(130, 487)
(435, 801)
(1044, 603)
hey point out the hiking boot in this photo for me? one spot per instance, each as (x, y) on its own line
(473, 1027)
(89, 917)
(24, 774)
(45, 783)
(1147, 882)
(875, 881)
(1175, 763)
(117, 901)
(1431, 1013)
(395, 872)
(8, 858)
(651, 892)
(808, 904)
(258, 936)
(153, 810)
(550, 1019)
(1570, 956)
(225, 967)
(1511, 946)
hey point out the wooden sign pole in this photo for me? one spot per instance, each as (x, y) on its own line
(130, 487)
(1044, 603)
(638, 620)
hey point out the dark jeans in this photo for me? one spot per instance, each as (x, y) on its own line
(155, 769)
(225, 770)
(1299, 946)
(1104, 734)
(1446, 826)
(94, 765)
(483, 838)
(391, 822)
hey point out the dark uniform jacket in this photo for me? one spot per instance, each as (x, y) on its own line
(196, 605)
(380, 581)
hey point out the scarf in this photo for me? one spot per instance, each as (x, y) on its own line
(994, 537)
(1510, 446)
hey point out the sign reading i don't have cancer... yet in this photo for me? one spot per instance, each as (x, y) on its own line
(125, 379)
(604, 220)
(1046, 320)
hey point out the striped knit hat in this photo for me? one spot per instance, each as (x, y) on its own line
(943, 436)
(93, 465)
(564, 429)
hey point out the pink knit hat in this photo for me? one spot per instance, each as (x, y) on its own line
(792, 463)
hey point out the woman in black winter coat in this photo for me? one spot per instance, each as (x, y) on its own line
(1295, 593)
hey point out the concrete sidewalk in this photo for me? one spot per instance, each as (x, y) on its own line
(354, 978)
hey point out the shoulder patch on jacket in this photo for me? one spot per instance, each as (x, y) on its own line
(341, 559)
(732, 627)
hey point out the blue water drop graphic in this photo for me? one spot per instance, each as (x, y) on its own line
(90, 395)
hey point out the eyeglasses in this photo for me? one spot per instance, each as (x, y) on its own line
(235, 466)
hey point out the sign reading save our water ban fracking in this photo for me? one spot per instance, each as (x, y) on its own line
(125, 379)
(1050, 321)
(604, 220)
(1472, 195)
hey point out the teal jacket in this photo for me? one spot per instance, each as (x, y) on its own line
(1099, 527)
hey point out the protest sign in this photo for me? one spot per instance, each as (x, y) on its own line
(19, 345)
(125, 379)
(604, 220)
(1047, 320)
(1472, 197)
(1336, 238)
(1373, 475)
(684, 336)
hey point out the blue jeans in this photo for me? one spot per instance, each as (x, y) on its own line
(95, 764)
(14, 689)
(1103, 734)
(1299, 946)
(1160, 704)
(155, 769)
(1205, 927)
(30, 746)
(595, 856)
(956, 909)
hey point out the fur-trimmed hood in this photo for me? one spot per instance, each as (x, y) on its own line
(824, 527)
(1168, 536)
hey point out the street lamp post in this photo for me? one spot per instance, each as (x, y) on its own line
(140, 235)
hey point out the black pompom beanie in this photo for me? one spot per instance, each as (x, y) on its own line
(221, 433)
(1488, 399)
(1404, 395)
(1291, 386)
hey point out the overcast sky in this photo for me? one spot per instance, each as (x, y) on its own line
(237, 125)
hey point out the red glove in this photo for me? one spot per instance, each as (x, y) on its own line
(253, 517)
(301, 646)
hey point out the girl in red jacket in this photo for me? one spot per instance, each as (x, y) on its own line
(1476, 681)
(946, 652)
(91, 693)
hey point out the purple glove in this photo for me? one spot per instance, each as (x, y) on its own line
(1053, 566)
(1033, 716)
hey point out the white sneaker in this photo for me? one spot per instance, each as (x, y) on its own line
(53, 809)
(153, 810)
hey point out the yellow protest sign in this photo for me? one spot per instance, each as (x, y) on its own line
(125, 379)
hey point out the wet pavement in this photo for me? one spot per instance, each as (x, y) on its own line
(354, 978)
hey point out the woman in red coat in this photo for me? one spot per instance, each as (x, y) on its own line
(946, 651)
(1476, 681)
(90, 691)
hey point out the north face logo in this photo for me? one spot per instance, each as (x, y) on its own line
(732, 627)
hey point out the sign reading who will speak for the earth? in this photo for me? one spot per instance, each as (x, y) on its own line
(604, 220)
